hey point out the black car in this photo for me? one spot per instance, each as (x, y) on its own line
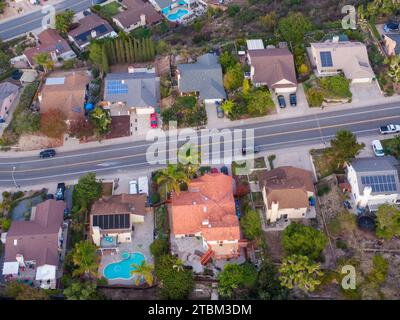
(220, 111)
(60, 191)
(224, 170)
(391, 26)
(282, 102)
(293, 100)
(49, 153)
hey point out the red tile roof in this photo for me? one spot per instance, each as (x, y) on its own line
(208, 208)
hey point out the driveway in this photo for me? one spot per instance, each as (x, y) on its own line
(365, 92)
(212, 119)
(301, 108)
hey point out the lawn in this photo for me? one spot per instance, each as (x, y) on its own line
(392, 146)
(110, 9)
(322, 163)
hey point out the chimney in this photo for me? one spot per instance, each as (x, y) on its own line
(131, 69)
(93, 33)
(143, 19)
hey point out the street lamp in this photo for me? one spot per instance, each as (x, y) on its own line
(12, 175)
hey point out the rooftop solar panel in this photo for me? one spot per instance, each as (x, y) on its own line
(326, 59)
(111, 221)
(381, 183)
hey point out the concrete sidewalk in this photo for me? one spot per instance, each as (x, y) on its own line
(74, 146)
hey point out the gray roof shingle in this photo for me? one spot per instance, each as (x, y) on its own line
(143, 89)
(204, 76)
(7, 89)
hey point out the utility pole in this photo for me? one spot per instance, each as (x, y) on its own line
(12, 175)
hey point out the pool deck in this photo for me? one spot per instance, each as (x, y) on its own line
(142, 237)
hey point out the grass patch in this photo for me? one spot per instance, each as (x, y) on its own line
(322, 163)
(323, 188)
(343, 223)
(110, 9)
(392, 146)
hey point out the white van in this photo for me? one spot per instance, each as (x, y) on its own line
(378, 149)
(143, 185)
(133, 187)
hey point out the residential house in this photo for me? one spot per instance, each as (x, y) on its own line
(374, 181)
(203, 77)
(90, 27)
(28, 76)
(392, 43)
(50, 41)
(165, 6)
(8, 94)
(33, 249)
(273, 67)
(206, 211)
(288, 194)
(333, 57)
(65, 92)
(112, 219)
(137, 14)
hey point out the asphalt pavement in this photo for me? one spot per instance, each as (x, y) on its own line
(269, 136)
(31, 21)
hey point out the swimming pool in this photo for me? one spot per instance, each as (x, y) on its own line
(123, 268)
(177, 15)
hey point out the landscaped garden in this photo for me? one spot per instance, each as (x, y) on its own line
(331, 89)
(186, 111)
(109, 10)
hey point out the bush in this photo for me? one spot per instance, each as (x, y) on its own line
(340, 244)
(337, 85)
(315, 97)
(5, 224)
(159, 247)
(323, 189)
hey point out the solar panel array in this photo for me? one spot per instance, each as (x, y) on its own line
(381, 183)
(116, 87)
(326, 59)
(59, 46)
(111, 221)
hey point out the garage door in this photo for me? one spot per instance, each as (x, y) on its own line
(362, 80)
(285, 90)
(210, 101)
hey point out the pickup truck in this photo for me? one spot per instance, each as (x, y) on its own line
(390, 128)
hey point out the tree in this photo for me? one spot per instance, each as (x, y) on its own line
(268, 284)
(235, 277)
(101, 120)
(259, 102)
(227, 61)
(380, 268)
(81, 290)
(344, 148)
(269, 21)
(170, 179)
(144, 271)
(158, 248)
(387, 221)
(315, 97)
(52, 123)
(104, 60)
(394, 67)
(20, 291)
(293, 27)
(174, 283)
(303, 240)
(246, 87)
(251, 225)
(88, 189)
(4, 61)
(299, 271)
(233, 77)
(96, 54)
(44, 59)
(85, 259)
(64, 21)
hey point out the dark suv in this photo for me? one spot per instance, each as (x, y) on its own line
(49, 153)
(282, 102)
(60, 191)
(293, 100)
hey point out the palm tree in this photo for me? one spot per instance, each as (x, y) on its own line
(189, 158)
(169, 179)
(85, 259)
(394, 68)
(143, 271)
(102, 120)
(44, 59)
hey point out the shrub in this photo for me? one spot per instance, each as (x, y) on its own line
(323, 189)
(315, 97)
(159, 247)
(337, 85)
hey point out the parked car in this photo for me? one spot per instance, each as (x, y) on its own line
(87, 12)
(378, 149)
(133, 187)
(60, 191)
(282, 102)
(214, 170)
(153, 120)
(48, 153)
(347, 204)
(390, 128)
(391, 26)
(247, 150)
(293, 100)
(220, 111)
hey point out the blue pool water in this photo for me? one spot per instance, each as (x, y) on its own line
(177, 15)
(123, 268)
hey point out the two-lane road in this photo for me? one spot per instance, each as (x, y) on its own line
(31, 21)
(305, 130)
